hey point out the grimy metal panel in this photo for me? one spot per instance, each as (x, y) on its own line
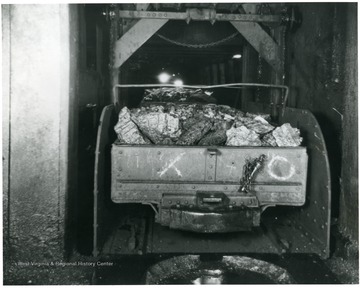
(151, 163)
(143, 173)
(313, 219)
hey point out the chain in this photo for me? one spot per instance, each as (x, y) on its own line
(283, 56)
(258, 91)
(250, 168)
(198, 46)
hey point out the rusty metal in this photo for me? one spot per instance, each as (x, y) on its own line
(199, 15)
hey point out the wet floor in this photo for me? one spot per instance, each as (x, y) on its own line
(301, 268)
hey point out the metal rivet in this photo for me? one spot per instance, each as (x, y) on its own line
(312, 239)
(297, 249)
(120, 152)
(191, 206)
(225, 188)
(230, 206)
(242, 202)
(324, 251)
(261, 188)
(314, 220)
(315, 202)
(193, 187)
(157, 186)
(322, 227)
(298, 172)
(234, 203)
(209, 177)
(177, 202)
(186, 202)
(307, 214)
(306, 234)
(170, 201)
(178, 206)
(323, 208)
(211, 166)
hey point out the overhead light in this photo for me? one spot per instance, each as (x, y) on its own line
(178, 82)
(237, 56)
(164, 77)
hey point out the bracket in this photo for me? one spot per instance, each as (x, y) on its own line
(135, 38)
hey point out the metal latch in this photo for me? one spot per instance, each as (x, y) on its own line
(211, 200)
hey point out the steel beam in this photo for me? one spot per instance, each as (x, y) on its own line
(199, 15)
(134, 38)
(261, 41)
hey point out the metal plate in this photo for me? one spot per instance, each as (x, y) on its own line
(213, 222)
(314, 217)
(143, 173)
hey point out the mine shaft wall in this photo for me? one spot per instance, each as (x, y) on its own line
(321, 66)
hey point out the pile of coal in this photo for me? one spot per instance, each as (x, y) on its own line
(178, 94)
(201, 124)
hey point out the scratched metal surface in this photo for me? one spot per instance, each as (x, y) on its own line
(144, 173)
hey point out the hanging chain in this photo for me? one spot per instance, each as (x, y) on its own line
(283, 53)
(259, 79)
(198, 46)
(250, 168)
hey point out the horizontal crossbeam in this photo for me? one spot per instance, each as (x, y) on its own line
(199, 15)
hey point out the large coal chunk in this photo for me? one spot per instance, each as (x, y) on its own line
(241, 136)
(214, 138)
(269, 140)
(287, 136)
(127, 131)
(158, 126)
(257, 124)
(195, 132)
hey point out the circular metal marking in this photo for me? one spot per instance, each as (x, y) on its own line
(280, 168)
